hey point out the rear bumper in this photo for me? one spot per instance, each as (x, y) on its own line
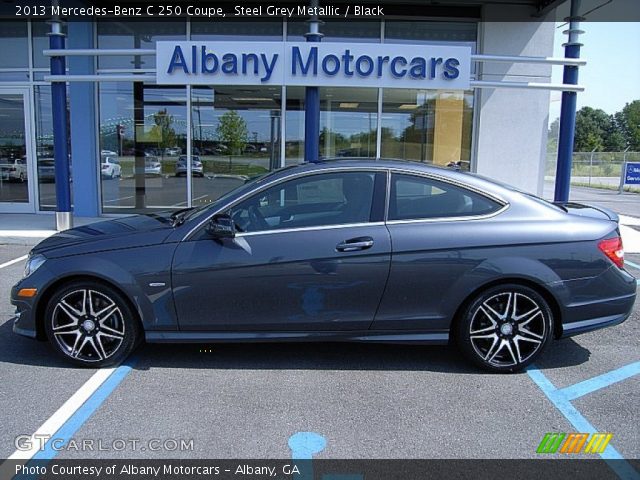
(590, 311)
(584, 326)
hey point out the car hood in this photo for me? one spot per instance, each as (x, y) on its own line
(127, 232)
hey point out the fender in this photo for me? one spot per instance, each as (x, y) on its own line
(504, 269)
(148, 286)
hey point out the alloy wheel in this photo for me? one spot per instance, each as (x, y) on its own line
(88, 325)
(507, 329)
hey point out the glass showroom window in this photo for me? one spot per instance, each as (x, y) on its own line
(337, 31)
(411, 31)
(135, 34)
(430, 126)
(143, 132)
(45, 163)
(235, 136)
(13, 150)
(348, 123)
(40, 30)
(236, 30)
(14, 52)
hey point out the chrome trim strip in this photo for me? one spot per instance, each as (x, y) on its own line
(310, 229)
(449, 219)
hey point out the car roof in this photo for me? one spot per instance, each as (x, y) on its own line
(464, 178)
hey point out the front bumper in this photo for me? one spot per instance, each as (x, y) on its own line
(24, 322)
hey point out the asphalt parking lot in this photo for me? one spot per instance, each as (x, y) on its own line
(365, 401)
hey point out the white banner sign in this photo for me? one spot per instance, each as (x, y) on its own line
(313, 64)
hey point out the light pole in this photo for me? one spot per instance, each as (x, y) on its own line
(312, 99)
(64, 220)
(568, 108)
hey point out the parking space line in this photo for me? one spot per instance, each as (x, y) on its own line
(596, 383)
(73, 413)
(15, 260)
(634, 265)
(614, 459)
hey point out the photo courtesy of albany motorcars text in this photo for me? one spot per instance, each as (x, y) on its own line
(341, 250)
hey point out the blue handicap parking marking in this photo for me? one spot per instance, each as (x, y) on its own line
(561, 399)
(596, 383)
(303, 446)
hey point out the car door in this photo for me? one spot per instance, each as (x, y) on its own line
(310, 253)
(439, 234)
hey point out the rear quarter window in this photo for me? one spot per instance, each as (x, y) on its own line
(415, 198)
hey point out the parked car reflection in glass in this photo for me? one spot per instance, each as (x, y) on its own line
(196, 166)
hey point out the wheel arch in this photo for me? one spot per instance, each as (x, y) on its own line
(50, 290)
(551, 300)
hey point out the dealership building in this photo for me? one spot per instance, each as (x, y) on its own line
(132, 128)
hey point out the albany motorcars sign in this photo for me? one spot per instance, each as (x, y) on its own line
(313, 64)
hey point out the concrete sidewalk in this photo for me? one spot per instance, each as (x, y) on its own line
(30, 229)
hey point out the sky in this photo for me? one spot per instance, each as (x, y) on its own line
(612, 73)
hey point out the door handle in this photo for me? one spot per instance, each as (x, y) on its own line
(360, 243)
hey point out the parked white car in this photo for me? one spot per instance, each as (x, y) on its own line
(110, 168)
(14, 169)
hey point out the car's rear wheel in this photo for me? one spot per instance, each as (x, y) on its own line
(505, 328)
(91, 324)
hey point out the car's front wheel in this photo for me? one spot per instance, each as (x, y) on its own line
(505, 328)
(91, 324)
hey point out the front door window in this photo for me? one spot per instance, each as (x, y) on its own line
(313, 201)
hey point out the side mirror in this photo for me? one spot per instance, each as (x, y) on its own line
(221, 226)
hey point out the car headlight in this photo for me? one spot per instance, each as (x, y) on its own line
(33, 263)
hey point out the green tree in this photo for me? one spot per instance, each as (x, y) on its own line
(615, 139)
(552, 136)
(162, 132)
(591, 127)
(629, 120)
(232, 131)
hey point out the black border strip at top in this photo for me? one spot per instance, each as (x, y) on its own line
(486, 10)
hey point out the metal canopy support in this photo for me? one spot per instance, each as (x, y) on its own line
(568, 108)
(64, 219)
(312, 100)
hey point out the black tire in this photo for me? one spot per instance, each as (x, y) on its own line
(505, 328)
(103, 334)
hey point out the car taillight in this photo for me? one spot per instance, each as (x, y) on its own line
(612, 248)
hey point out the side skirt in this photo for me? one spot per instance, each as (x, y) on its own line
(434, 338)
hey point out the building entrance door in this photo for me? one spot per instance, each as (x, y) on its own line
(17, 171)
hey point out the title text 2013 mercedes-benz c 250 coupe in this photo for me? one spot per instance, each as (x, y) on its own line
(356, 250)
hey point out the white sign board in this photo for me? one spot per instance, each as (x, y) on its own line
(313, 64)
